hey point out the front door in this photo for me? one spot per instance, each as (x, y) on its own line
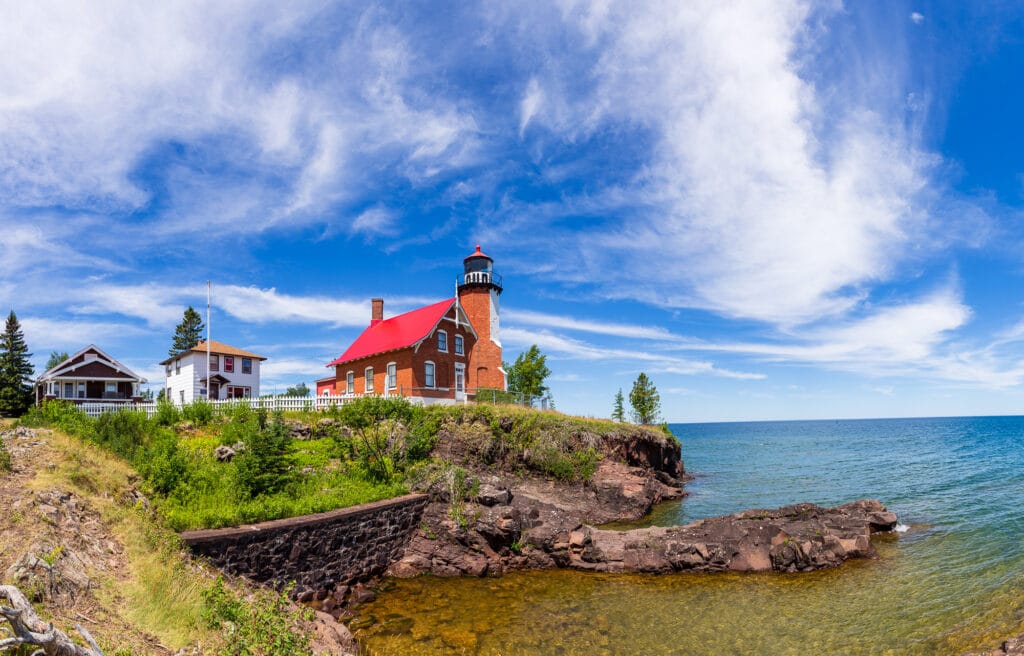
(460, 382)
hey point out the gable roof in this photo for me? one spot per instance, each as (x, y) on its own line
(402, 331)
(216, 348)
(78, 360)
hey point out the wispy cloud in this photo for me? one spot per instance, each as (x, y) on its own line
(565, 347)
(568, 322)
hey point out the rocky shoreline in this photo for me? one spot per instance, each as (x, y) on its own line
(519, 522)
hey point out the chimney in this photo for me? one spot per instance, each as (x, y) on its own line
(378, 311)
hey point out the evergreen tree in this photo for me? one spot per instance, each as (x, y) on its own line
(15, 370)
(298, 390)
(188, 332)
(56, 357)
(645, 400)
(618, 412)
(526, 375)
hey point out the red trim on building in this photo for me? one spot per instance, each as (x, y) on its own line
(395, 333)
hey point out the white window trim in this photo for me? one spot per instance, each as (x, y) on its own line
(391, 382)
(460, 345)
(439, 334)
(433, 374)
(350, 382)
(368, 380)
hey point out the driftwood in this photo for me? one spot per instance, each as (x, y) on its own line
(28, 629)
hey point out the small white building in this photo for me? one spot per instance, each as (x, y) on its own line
(234, 374)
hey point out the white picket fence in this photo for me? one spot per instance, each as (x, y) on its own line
(283, 403)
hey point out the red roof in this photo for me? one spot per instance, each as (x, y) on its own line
(477, 253)
(396, 333)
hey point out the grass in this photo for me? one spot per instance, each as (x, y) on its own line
(162, 593)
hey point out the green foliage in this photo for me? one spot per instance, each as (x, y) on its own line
(497, 396)
(187, 333)
(452, 482)
(165, 465)
(56, 357)
(123, 432)
(645, 400)
(5, 458)
(199, 412)
(15, 370)
(263, 467)
(388, 434)
(167, 414)
(618, 411)
(265, 625)
(297, 390)
(527, 374)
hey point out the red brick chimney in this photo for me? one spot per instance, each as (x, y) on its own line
(377, 314)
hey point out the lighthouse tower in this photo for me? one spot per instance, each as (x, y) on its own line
(479, 288)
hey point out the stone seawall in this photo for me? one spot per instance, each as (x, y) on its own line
(319, 551)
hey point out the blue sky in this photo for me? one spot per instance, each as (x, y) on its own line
(775, 209)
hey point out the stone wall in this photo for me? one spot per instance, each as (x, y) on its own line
(316, 551)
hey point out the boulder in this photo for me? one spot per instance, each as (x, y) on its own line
(223, 453)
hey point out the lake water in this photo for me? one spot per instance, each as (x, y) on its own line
(953, 582)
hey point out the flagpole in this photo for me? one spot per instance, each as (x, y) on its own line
(209, 382)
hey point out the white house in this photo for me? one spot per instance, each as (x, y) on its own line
(234, 374)
(92, 376)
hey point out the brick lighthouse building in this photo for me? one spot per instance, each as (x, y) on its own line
(479, 289)
(440, 353)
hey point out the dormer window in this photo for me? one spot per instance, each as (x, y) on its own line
(442, 341)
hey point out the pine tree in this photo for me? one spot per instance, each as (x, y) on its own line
(618, 412)
(56, 357)
(188, 332)
(15, 370)
(645, 400)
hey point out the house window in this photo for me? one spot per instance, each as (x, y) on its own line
(238, 392)
(111, 388)
(181, 395)
(350, 382)
(458, 345)
(167, 370)
(69, 390)
(214, 363)
(326, 392)
(177, 366)
(368, 374)
(428, 374)
(81, 390)
(246, 366)
(229, 364)
(392, 375)
(442, 341)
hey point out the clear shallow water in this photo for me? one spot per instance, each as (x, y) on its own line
(954, 582)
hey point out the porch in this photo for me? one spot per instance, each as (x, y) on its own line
(89, 390)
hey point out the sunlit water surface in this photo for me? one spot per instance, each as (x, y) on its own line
(952, 583)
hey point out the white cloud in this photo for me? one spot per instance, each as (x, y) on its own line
(375, 222)
(531, 102)
(529, 317)
(762, 197)
(917, 18)
(44, 334)
(565, 347)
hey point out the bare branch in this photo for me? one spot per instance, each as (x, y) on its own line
(28, 629)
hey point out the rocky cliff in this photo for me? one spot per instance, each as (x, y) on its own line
(518, 519)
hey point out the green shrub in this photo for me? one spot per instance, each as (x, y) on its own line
(265, 625)
(263, 468)
(167, 414)
(388, 434)
(163, 465)
(123, 432)
(5, 458)
(199, 412)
